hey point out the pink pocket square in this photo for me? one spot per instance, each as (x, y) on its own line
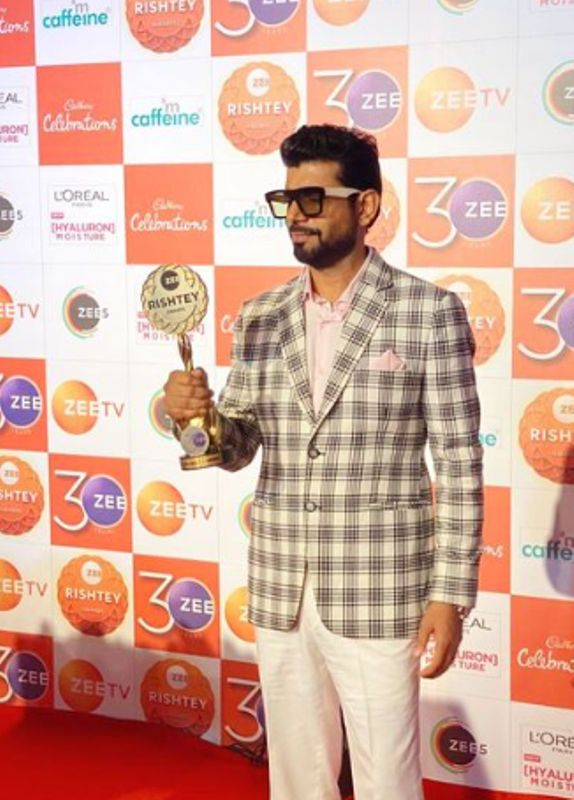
(387, 362)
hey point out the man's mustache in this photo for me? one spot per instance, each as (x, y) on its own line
(303, 229)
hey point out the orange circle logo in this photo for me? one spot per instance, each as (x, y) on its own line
(340, 12)
(6, 310)
(258, 107)
(485, 313)
(21, 496)
(546, 435)
(92, 595)
(548, 210)
(75, 407)
(81, 685)
(10, 586)
(385, 227)
(175, 692)
(244, 514)
(163, 29)
(444, 99)
(236, 614)
(161, 508)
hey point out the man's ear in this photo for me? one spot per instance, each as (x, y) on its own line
(369, 206)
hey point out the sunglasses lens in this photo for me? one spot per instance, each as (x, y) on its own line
(278, 203)
(310, 201)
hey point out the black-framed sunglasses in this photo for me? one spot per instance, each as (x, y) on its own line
(308, 198)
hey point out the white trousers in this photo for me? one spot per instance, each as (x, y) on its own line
(308, 675)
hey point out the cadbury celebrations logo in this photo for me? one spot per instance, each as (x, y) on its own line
(26, 676)
(191, 605)
(20, 402)
(82, 313)
(558, 93)
(9, 216)
(454, 746)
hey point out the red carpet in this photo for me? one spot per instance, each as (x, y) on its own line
(56, 755)
(49, 755)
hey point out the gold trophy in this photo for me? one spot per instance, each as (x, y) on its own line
(174, 300)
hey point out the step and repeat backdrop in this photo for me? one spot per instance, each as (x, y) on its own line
(145, 132)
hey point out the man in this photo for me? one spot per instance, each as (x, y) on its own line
(342, 375)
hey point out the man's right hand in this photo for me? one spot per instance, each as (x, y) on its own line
(187, 395)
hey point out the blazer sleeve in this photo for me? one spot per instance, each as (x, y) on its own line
(236, 421)
(452, 413)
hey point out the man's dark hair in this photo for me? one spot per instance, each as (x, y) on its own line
(355, 151)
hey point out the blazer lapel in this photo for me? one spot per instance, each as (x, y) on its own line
(367, 310)
(291, 329)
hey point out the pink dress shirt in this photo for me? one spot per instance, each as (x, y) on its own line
(324, 321)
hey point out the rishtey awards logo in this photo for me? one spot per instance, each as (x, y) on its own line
(21, 496)
(258, 107)
(446, 98)
(547, 210)
(340, 12)
(484, 310)
(92, 595)
(165, 26)
(175, 692)
(558, 93)
(546, 435)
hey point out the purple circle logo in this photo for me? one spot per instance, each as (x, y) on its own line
(104, 501)
(28, 676)
(273, 12)
(478, 209)
(20, 401)
(191, 605)
(565, 321)
(374, 100)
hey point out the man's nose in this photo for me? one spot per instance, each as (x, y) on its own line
(294, 213)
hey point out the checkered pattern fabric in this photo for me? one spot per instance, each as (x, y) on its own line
(346, 494)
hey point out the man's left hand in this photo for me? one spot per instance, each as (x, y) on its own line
(442, 621)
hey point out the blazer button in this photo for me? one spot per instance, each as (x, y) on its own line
(310, 505)
(313, 452)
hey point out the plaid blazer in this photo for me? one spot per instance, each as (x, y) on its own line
(346, 493)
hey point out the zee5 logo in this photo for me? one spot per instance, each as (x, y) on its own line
(185, 602)
(446, 98)
(371, 100)
(458, 6)
(454, 746)
(82, 313)
(96, 499)
(547, 210)
(158, 417)
(558, 93)
(475, 209)
(76, 408)
(21, 402)
(24, 674)
(163, 511)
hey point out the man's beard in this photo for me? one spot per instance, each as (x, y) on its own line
(322, 255)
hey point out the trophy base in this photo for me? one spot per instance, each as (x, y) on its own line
(199, 462)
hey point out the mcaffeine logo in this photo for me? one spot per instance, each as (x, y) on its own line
(168, 114)
(249, 216)
(454, 745)
(82, 313)
(76, 15)
(9, 216)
